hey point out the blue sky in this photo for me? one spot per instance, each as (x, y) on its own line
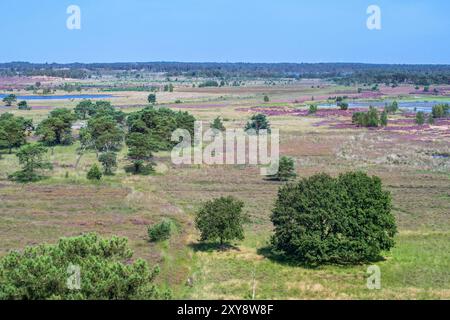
(413, 31)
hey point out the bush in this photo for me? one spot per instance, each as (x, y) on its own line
(94, 173)
(333, 220)
(23, 105)
(367, 119)
(312, 109)
(286, 169)
(420, 118)
(258, 122)
(343, 105)
(221, 219)
(48, 271)
(160, 231)
(109, 162)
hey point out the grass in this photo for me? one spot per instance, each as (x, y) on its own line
(123, 204)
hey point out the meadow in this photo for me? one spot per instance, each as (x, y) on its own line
(402, 154)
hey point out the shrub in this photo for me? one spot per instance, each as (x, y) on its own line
(266, 98)
(160, 231)
(312, 109)
(333, 220)
(151, 98)
(420, 118)
(94, 173)
(440, 110)
(48, 271)
(258, 122)
(221, 219)
(286, 169)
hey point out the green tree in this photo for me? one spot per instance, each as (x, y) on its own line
(266, 98)
(104, 132)
(160, 124)
(140, 151)
(221, 219)
(9, 99)
(151, 98)
(312, 109)
(105, 268)
(334, 220)
(109, 162)
(13, 131)
(31, 158)
(57, 128)
(23, 105)
(384, 118)
(218, 124)
(84, 109)
(343, 105)
(160, 231)
(258, 122)
(286, 169)
(420, 118)
(94, 173)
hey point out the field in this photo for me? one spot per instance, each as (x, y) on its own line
(412, 161)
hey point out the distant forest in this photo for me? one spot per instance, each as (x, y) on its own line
(343, 73)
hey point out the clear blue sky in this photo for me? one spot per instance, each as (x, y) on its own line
(413, 31)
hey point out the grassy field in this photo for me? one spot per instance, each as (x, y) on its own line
(67, 204)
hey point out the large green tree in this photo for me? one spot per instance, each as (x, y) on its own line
(334, 220)
(57, 128)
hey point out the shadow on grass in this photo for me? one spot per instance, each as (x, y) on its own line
(212, 246)
(280, 258)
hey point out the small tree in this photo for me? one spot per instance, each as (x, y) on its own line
(384, 118)
(266, 98)
(286, 169)
(258, 122)
(9, 99)
(23, 105)
(140, 151)
(312, 109)
(109, 162)
(104, 268)
(94, 173)
(83, 109)
(31, 157)
(160, 231)
(430, 119)
(334, 220)
(420, 118)
(343, 105)
(57, 128)
(151, 98)
(218, 124)
(221, 219)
